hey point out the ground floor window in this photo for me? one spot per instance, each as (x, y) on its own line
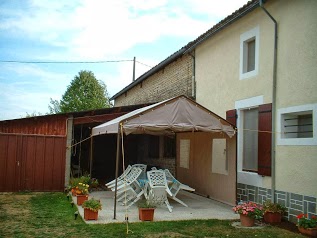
(250, 139)
(297, 125)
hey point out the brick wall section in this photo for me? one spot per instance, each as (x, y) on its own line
(174, 80)
(295, 203)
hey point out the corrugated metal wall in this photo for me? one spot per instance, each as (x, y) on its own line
(32, 163)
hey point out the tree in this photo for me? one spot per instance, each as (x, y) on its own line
(33, 114)
(55, 107)
(85, 92)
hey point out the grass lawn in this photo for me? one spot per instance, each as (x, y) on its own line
(51, 215)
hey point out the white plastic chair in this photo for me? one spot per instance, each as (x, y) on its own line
(157, 188)
(143, 168)
(112, 183)
(130, 189)
(175, 186)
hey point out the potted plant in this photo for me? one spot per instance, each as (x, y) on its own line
(82, 193)
(146, 210)
(91, 208)
(273, 212)
(73, 183)
(249, 212)
(306, 225)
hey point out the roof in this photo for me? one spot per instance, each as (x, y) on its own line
(251, 5)
(88, 113)
(178, 114)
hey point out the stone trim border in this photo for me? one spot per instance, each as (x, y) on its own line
(295, 203)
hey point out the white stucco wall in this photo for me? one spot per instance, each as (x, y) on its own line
(220, 89)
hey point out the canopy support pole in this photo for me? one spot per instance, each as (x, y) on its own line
(117, 172)
(91, 155)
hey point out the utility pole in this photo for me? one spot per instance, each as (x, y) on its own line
(133, 77)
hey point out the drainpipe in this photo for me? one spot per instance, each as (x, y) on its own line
(193, 77)
(273, 144)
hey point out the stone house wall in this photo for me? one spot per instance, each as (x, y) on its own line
(173, 80)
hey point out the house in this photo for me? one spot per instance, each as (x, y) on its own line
(257, 68)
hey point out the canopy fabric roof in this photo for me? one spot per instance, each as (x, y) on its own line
(179, 114)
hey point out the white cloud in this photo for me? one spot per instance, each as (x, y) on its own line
(215, 8)
(30, 91)
(99, 29)
(84, 30)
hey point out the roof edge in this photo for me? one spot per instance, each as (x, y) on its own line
(224, 23)
(152, 71)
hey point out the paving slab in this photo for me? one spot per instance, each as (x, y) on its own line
(199, 207)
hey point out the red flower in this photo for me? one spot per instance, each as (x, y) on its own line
(313, 217)
(300, 216)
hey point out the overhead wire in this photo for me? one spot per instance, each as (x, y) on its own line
(63, 62)
(71, 62)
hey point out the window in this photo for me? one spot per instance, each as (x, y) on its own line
(161, 146)
(297, 125)
(219, 163)
(250, 60)
(184, 153)
(250, 139)
(249, 53)
(254, 122)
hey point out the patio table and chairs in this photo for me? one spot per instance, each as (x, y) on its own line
(156, 185)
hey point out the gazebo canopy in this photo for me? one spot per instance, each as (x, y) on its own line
(178, 114)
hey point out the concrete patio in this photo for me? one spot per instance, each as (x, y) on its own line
(198, 208)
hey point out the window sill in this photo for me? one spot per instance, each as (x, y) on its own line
(248, 75)
(250, 171)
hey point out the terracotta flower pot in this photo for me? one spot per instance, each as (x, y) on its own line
(90, 215)
(146, 214)
(312, 232)
(273, 217)
(81, 199)
(74, 192)
(246, 220)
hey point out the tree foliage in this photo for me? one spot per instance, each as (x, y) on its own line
(85, 92)
(33, 114)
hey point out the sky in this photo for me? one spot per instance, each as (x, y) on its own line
(108, 31)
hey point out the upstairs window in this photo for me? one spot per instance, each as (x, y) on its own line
(249, 53)
(250, 59)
